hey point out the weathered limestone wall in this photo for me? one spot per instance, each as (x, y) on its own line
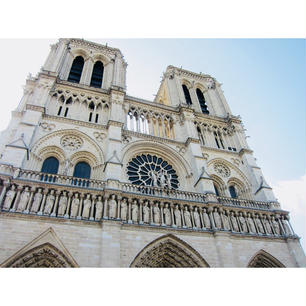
(113, 244)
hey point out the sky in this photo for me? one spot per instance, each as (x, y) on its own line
(263, 82)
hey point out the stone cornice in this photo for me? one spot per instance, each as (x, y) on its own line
(205, 148)
(243, 151)
(35, 108)
(190, 73)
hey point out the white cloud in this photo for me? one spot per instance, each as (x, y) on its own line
(292, 197)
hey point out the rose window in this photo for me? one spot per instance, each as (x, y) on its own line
(150, 170)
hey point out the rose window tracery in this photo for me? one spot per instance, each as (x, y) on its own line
(150, 170)
(222, 170)
(71, 142)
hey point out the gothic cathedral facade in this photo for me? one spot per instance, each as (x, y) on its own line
(93, 177)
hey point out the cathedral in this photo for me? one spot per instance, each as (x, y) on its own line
(93, 177)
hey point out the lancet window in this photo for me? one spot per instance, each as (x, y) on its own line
(97, 75)
(202, 101)
(150, 123)
(76, 70)
(187, 94)
(151, 170)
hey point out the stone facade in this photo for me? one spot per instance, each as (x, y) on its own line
(92, 177)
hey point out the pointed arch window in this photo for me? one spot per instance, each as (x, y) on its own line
(233, 192)
(216, 190)
(82, 170)
(202, 101)
(97, 75)
(187, 94)
(50, 166)
(76, 70)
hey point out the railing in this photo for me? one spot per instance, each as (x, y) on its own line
(60, 179)
(244, 203)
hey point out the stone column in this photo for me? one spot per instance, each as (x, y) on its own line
(19, 189)
(140, 211)
(70, 194)
(151, 212)
(105, 209)
(57, 196)
(201, 217)
(172, 215)
(93, 201)
(182, 215)
(162, 214)
(79, 216)
(129, 211)
(119, 198)
(27, 209)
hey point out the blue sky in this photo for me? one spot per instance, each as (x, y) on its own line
(263, 82)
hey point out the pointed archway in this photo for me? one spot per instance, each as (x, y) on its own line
(42, 256)
(45, 251)
(168, 252)
(263, 259)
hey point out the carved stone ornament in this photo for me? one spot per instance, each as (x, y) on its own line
(71, 142)
(47, 126)
(210, 83)
(222, 170)
(99, 136)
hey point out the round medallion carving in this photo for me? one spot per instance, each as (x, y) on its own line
(71, 142)
(222, 170)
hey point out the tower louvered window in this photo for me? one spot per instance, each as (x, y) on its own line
(76, 70)
(187, 95)
(97, 75)
(202, 101)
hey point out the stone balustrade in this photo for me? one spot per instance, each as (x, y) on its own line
(151, 207)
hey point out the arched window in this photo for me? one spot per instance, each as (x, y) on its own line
(81, 170)
(50, 166)
(202, 101)
(187, 95)
(233, 192)
(97, 75)
(216, 190)
(76, 70)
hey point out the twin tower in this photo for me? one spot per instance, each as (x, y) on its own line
(93, 177)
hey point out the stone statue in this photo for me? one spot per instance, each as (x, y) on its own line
(123, 213)
(178, 217)
(24, 198)
(169, 177)
(187, 218)
(156, 213)
(251, 224)
(36, 202)
(135, 211)
(196, 217)
(162, 179)
(99, 208)
(146, 212)
(75, 206)
(87, 206)
(9, 198)
(206, 219)
(234, 222)
(267, 225)
(167, 214)
(259, 225)
(112, 204)
(217, 218)
(275, 226)
(49, 203)
(62, 204)
(226, 224)
(243, 224)
(154, 178)
(286, 225)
